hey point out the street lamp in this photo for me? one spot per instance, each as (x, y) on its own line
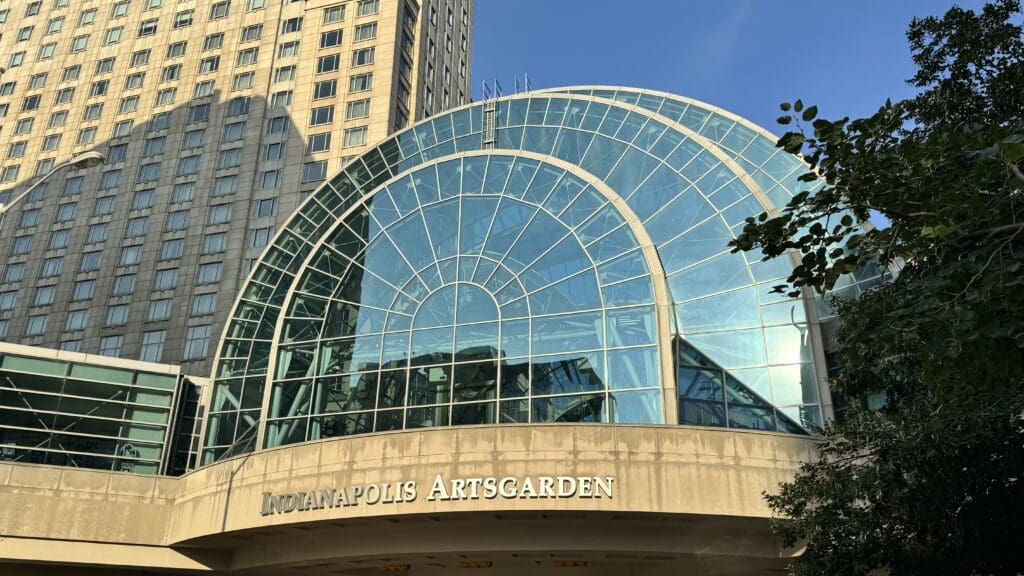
(84, 160)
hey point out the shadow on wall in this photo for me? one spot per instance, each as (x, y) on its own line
(178, 190)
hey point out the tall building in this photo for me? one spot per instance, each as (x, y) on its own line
(217, 119)
(511, 339)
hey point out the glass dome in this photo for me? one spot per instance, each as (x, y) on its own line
(549, 257)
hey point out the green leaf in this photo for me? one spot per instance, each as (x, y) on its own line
(1013, 151)
(810, 113)
(937, 231)
(798, 105)
(784, 119)
(785, 106)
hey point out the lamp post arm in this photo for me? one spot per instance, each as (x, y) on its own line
(54, 170)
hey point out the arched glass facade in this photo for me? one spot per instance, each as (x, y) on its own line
(548, 257)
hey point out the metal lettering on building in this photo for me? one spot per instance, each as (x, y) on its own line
(441, 489)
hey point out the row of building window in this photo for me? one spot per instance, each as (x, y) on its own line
(197, 338)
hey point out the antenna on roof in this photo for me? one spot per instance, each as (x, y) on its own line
(486, 93)
(498, 92)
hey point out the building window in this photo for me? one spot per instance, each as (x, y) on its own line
(160, 121)
(90, 261)
(113, 35)
(78, 44)
(52, 267)
(281, 99)
(198, 113)
(238, 106)
(284, 74)
(54, 25)
(334, 14)
(165, 279)
(325, 89)
(270, 179)
(203, 304)
(291, 25)
(243, 81)
(59, 239)
(42, 297)
(330, 38)
(158, 310)
(128, 104)
(193, 139)
(57, 119)
(130, 255)
(264, 208)
(148, 27)
(213, 41)
(124, 285)
(122, 128)
(21, 245)
(170, 73)
(247, 56)
(30, 103)
(183, 192)
(234, 131)
(172, 249)
(288, 49)
(188, 165)
(314, 171)
(152, 349)
(183, 19)
(142, 199)
(322, 115)
(149, 173)
(326, 64)
(219, 10)
(215, 243)
(97, 233)
(230, 158)
(224, 185)
(83, 290)
(360, 82)
(366, 31)
(9, 299)
(208, 273)
(66, 212)
(197, 340)
(177, 220)
(363, 56)
(251, 33)
(210, 64)
(117, 315)
(136, 227)
(273, 151)
(14, 272)
(111, 346)
(367, 7)
(177, 49)
(252, 5)
(117, 153)
(154, 146)
(92, 112)
(76, 320)
(203, 89)
(36, 325)
(318, 143)
(104, 205)
(99, 88)
(219, 214)
(87, 17)
(110, 179)
(355, 136)
(134, 81)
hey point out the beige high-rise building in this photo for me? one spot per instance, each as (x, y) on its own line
(216, 119)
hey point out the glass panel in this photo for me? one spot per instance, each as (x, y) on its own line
(637, 407)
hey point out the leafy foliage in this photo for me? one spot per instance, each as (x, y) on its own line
(931, 482)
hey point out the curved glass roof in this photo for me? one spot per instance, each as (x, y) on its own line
(555, 217)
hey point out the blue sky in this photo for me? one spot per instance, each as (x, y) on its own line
(743, 55)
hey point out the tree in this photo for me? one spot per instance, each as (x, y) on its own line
(933, 481)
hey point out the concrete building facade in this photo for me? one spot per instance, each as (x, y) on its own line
(217, 119)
